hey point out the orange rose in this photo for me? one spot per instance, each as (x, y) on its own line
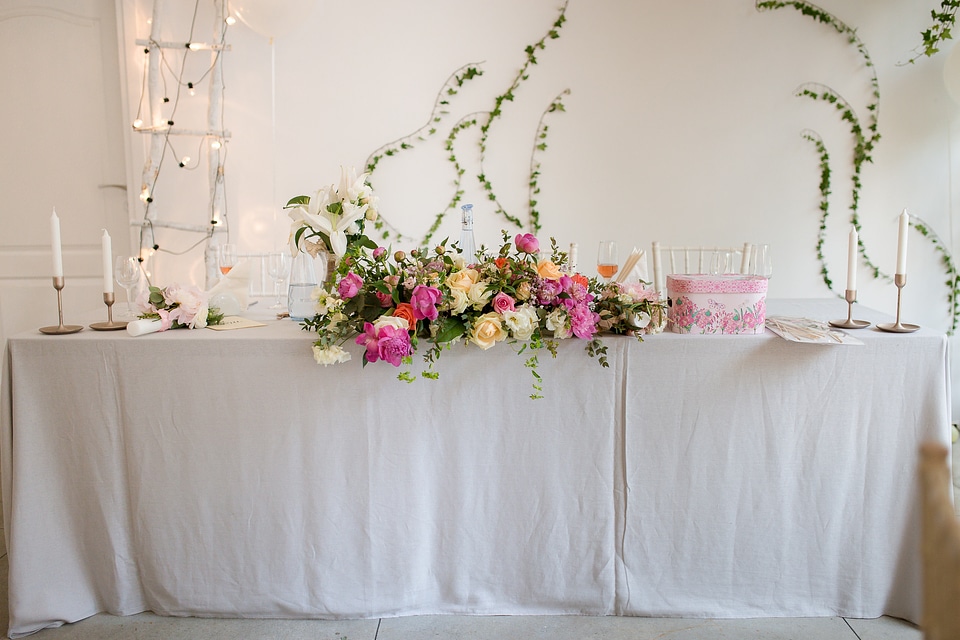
(501, 262)
(405, 311)
(580, 279)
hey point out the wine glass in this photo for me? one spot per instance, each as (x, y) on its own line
(226, 257)
(721, 263)
(607, 263)
(762, 264)
(126, 269)
(278, 265)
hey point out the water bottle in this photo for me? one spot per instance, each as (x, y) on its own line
(303, 280)
(468, 246)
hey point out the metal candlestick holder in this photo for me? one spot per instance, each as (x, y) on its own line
(61, 328)
(109, 325)
(899, 279)
(850, 295)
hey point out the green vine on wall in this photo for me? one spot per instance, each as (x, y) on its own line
(441, 108)
(940, 30)
(946, 259)
(865, 140)
(817, 141)
(531, 51)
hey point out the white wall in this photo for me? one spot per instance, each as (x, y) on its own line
(681, 126)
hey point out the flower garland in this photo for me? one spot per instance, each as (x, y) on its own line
(391, 304)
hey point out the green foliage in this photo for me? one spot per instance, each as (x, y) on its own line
(946, 259)
(940, 30)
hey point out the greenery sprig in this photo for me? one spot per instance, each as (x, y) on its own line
(946, 259)
(441, 108)
(539, 146)
(940, 30)
(531, 51)
(817, 141)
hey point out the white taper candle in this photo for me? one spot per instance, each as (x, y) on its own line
(107, 246)
(852, 260)
(55, 245)
(902, 243)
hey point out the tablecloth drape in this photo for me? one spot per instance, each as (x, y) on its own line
(226, 474)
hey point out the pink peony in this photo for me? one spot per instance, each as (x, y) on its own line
(527, 243)
(368, 339)
(424, 300)
(349, 286)
(393, 344)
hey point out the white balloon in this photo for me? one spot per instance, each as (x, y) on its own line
(272, 18)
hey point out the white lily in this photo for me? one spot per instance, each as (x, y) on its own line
(317, 216)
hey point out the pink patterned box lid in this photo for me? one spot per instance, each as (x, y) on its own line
(706, 283)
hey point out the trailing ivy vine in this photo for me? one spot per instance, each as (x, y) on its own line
(440, 109)
(817, 141)
(484, 119)
(946, 259)
(531, 51)
(940, 30)
(866, 138)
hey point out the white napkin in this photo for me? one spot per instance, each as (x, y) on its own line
(143, 327)
(231, 295)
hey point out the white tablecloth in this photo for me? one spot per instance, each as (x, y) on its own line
(226, 474)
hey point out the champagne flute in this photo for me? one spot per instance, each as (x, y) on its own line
(607, 263)
(278, 264)
(226, 257)
(126, 270)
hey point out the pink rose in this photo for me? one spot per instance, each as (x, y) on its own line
(527, 243)
(349, 286)
(502, 302)
(379, 251)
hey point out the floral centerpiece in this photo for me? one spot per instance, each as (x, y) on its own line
(393, 303)
(177, 307)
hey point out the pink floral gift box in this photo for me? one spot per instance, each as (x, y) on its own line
(732, 304)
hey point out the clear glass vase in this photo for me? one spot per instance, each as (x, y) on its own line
(303, 280)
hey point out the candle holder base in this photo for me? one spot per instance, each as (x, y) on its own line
(898, 327)
(110, 324)
(849, 323)
(62, 329)
(900, 280)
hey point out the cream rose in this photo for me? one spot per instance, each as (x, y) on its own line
(458, 301)
(487, 330)
(479, 295)
(522, 322)
(462, 280)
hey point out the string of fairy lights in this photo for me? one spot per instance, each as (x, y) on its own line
(173, 72)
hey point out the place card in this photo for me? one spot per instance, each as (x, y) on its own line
(808, 331)
(235, 322)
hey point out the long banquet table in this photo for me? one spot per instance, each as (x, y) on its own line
(226, 474)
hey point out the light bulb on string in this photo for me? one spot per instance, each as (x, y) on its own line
(216, 144)
(231, 20)
(145, 194)
(184, 161)
(137, 123)
(190, 89)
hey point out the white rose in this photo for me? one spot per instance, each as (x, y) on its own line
(521, 322)
(200, 320)
(557, 322)
(391, 321)
(333, 354)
